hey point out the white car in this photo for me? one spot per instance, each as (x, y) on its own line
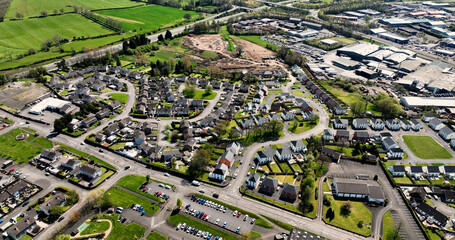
(234, 213)
(166, 174)
(217, 221)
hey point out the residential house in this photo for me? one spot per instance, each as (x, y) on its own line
(253, 180)
(388, 143)
(5, 179)
(247, 123)
(17, 188)
(415, 125)
(233, 147)
(327, 135)
(126, 122)
(331, 153)
(298, 146)
(51, 154)
(436, 124)
(360, 123)
(283, 154)
(111, 129)
(164, 112)
(433, 171)
(377, 124)
(18, 230)
(432, 215)
(99, 137)
(446, 133)
(220, 172)
(405, 125)
(275, 107)
(448, 196)
(197, 103)
(89, 120)
(290, 192)
(452, 143)
(171, 154)
(114, 105)
(57, 199)
(139, 137)
(258, 97)
(90, 171)
(416, 171)
(259, 120)
(397, 170)
(449, 172)
(268, 186)
(70, 162)
(265, 156)
(339, 123)
(393, 124)
(104, 113)
(342, 135)
(181, 111)
(395, 153)
(287, 116)
(361, 136)
(227, 158)
(427, 117)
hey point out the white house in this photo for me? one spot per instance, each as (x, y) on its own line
(416, 171)
(298, 146)
(283, 154)
(436, 124)
(405, 125)
(389, 143)
(446, 133)
(433, 171)
(449, 172)
(360, 123)
(395, 153)
(287, 116)
(257, 98)
(393, 124)
(339, 123)
(427, 117)
(397, 170)
(220, 172)
(90, 171)
(377, 124)
(452, 143)
(415, 125)
(327, 135)
(260, 120)
(275, 117)
(234, 147)
(253, 180)
(265, 156)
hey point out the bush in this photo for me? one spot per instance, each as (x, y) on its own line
(330, 214)
(345, 209)
(360, 224)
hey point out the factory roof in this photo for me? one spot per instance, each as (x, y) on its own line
(362, 49)
(432, 102)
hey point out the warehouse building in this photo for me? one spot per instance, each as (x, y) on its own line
(345, 63)
(311, 25)
(52, 104)
(358, 52)
(420, 102)
(354, 14)
(395, 22)
(369, 12)
(329, 42)
(358, 189)
(393, 38)
(445, 52)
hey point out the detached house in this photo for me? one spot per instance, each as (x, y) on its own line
(227, 158)
(415, 125)
(342, 135)
(416, 171)
(405, 125)
(57, 199)
(433, 171)
(327, 135)
(436, 124)
(265, 156)
(21, 227)
(298, 146)
(219, 173)
(377, 124)
(449, 172)
(234, 147)
(427, 117)
(446, 133)
(397, 170)
(361, 136)
(268, 186)
(283, 154)
(253, 180)
(290, 192)
(393, 124)
(388, 143)
(339, 123)
(287, 116)
(395, 153)
(90, 171)
(360, 123)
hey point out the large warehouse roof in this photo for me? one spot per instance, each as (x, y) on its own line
(431, 102)
(54, 103)
(362, 49)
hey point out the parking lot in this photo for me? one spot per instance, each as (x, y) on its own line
(159, 187)
(134, 216)
(231, 222)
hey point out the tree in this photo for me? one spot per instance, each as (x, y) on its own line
(220, 129)
(63, 237)
(56, 211)
(275, 127)
(62, 11)
(44, 13)
(357, 108)
(160, 38)
(199, 162)
(19, 15)
(187, 16)
(168, 35)
(140, 58)
(147, 178)
(72, 197)
(55, 11)
(345, 209)
(208, 89)
(330, 214)
(179, 202)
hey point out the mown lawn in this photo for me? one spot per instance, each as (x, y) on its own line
(122, 97)
(305, 126)
(179, 218)
(147, 18)
(43, 142)
(402, 180)
(389, 228)
(358, 213)
(156, 236)
(121, 231)
(18, 151)
(200, 94)
(95, 227)
(125, 199)
(426, 147)
(133, 182)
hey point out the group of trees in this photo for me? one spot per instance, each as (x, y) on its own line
(388, 106)
(199, 162)
(108, 59)
(205, 27)
(133, 43)
(162, 68)
(290, 57)
(62, 122)
(196, 5)
(56, 41)
(107, 22)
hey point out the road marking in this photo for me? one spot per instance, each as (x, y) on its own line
(159, 224)
(153, 221)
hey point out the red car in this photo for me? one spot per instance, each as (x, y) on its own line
(238, 214)
(205, 215)
(11, 170)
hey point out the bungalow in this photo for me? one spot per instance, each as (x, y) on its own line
(275, 117)
(104, 113)
(361, 136)
(393, 124)
(433, 171)
(446, 133)
(327, 135)
(90, 171)
(415, 125)
(342, 135)
(51, 154)
(265, 156)
(339, 110)
(427, 117)
(56, 200)
(432, 215)
(395, 153)
(164, 112)
(283, 154)
(138, 137)
(21, 227)
(233, 147)
(452, 143)
(331, 153)
(260, 120)
(298, 146)
(287, 116)
(358, 189)
(339, 123)
(268, 185)
(448, 196)
(436, 124)
(88, 121)
(197, 103)
(70, 163)
(227, 158)
(219, 173)
(126, 122)
(449, 172)
(17, 188)
(377, 124)
(257, 98)
(275, 107)
(388, 143)
(397, 170)
(405, 125)
(290, 192)
(171, 154)
(181, 111)
(182, 102)
(114, 105)
(416, 171)
(247, 123)
(360, 123)
(253, 180)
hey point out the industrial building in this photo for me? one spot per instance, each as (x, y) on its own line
(377, 30)
(314, 26)
(52, 104)
(420, 102)
(445, 52)
(345, 63)
(393, 38)
(369, 12)
(358, 52)
(395, 22)
(329, 42)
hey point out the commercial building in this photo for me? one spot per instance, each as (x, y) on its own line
(420, 102)
(311, 25)
(52, 104)
(393, 37)
(358, 52)
(329, 42)
(367, 190)
(395, 22)
(345, 63)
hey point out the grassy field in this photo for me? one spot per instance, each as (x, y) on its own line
(34, 7)
(95, 227)
(200, 94)
(18, 151)
(306, 126)
(179, 218)
(155, 236)
(43, 142)
(358, 213)
(38, 57)
(388, 227)
(31, 33)
(125, 199)
(345, 40)
(402, 180)
(257, 40)
(122, 97)
(426, 147)
(147, 18)
(121, 231)
(133, 182)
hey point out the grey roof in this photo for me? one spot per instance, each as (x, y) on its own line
(22, 225)
(298, 143)
(405, 122)
(268, 152)
(53, 201)
(435, 122)
(351, 186)
(396, 150)
(221, 169)
(292, 189)
(284, 151)
(433, 169)
(398, 168)
(416, 169)
(362, 134)
(389, 141)
(377, 121)
(415, 121)
(449, 169)
(446, 130)
(341, 121)
(89, 169)
(270, 182)
(343, 133)
(430, 211)
(254, 177)
(361, 121)
(228, 155)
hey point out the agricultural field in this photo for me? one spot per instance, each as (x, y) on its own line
(30, 8)
(147, 18)
(426, 147)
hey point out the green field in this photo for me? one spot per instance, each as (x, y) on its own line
(34, 7)
(133, 182)
(306, 126)
(257, 40)
(426, 147)
(149, 18)
(156, 236)
(200, 94)
(389, 228)
(43, 142)
(95, 227)
(31, 33)
(121, 231)
(125, 199)
(122, 97)
(358, 213)
(18, 151)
